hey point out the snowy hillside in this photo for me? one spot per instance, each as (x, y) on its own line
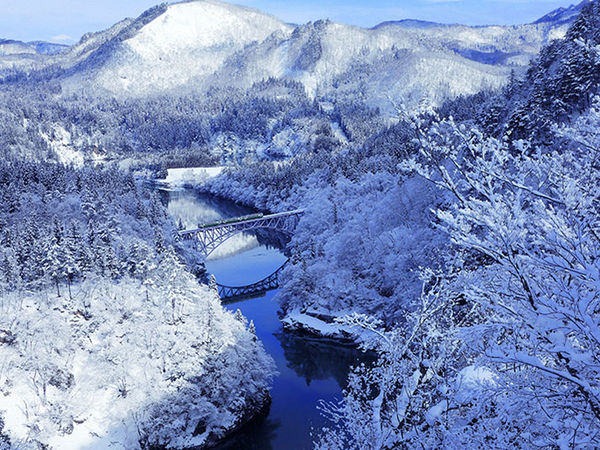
(338, 61)
(230, 82)
(201, 43)
(181, 45)
(17, 54)
(48, 48)
(107, 340)
(495, 45)
(8, 47)
(407, 61)
(124, 371)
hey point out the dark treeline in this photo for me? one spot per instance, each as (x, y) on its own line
(169, 130)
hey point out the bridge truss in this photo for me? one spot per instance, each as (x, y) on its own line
(209, 237)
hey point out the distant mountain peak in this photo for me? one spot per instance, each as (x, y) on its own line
(409, 23)
(559, 16)
(563, 15)
(14, 47)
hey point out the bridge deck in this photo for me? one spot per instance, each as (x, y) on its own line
(240, 220)
(211, 235)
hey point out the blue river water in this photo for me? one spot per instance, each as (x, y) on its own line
(310, 369)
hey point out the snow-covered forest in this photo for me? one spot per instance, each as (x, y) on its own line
(461, 244)
(451, 228)
(104, 334)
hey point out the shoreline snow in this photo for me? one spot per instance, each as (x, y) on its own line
(189, 176)
(323, 326)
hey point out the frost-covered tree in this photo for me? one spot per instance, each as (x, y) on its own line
(139, 352)
(531, 221)
(396, 402)
(4, 440)
(502, 350)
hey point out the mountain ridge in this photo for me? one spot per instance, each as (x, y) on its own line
(195, 44)
(563, 15)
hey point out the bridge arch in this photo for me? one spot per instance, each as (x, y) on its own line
(210, 236)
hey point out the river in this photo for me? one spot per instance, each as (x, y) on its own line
(310, 369)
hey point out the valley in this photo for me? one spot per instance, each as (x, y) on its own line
(219, 229)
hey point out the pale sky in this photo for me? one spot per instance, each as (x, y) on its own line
(66, 20)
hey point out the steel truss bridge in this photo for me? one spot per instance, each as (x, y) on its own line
(209, 237)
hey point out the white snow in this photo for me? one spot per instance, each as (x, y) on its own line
(436, 411)
(129, 365)
(297, 320)
(191, 40)
(190, 176)
(472, 380)
(61, 142)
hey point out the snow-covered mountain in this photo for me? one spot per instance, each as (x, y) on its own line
(196, 44)
(171, 47)
(10, 47)
(563, 15)
(402, 62)
(48, 48)
(27, 55)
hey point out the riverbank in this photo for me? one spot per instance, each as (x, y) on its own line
(124, 371)
(310, 369)
(190, 184)
(322, 325)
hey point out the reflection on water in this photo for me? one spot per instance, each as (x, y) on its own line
(234, 245)
(192, 208)
(317, 359)
(310, 369)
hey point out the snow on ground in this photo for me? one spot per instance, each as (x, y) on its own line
(60, 141)
(124, 361)
(469, 384)
(472, 380)
(323, 324)
(190, 176)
